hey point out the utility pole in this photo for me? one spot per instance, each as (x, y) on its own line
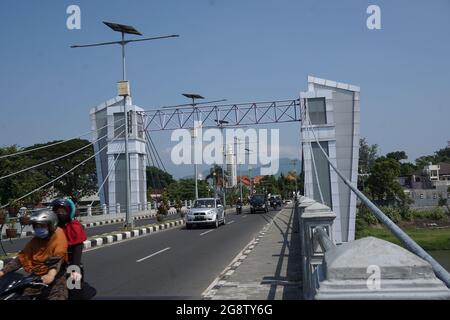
(294, 163)
(194, 96)
(220, 123)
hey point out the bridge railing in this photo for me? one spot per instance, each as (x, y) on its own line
(368, 268)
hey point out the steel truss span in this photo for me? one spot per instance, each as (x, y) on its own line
(230, 115)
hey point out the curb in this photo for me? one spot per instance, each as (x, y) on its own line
(104, 222)
(210, 292)
(100, 241)
(92, 224)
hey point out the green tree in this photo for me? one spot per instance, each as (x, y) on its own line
(442, 155)
(184, 189)
(382, 183)
(76, 184)
(397, 155)
(157, 178)
(215, 175)
(406, 168)
(367, 158)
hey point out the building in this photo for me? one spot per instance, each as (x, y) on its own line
(426, 186)
(107, 120)
(334, 110)
(246, 181)
(431, 176)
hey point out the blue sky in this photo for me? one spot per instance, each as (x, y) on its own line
(239, 50)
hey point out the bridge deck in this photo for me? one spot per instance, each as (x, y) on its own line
(271, 268)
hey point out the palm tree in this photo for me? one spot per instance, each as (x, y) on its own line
(215, 174)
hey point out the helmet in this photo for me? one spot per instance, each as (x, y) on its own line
(67, 204)
(45, 216)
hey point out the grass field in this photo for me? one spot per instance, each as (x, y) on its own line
(428, 239)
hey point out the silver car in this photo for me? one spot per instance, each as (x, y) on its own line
(207, 211)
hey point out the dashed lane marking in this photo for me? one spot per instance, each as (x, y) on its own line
(153, 254)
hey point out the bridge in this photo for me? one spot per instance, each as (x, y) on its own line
(306, 250)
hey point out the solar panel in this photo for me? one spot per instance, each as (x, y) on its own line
(122, 28)
(193, 96)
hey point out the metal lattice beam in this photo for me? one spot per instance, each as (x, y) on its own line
(236, 114)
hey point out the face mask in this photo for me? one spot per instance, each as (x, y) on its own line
(41, 233)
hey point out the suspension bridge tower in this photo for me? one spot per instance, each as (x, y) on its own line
(110, 163)
(331, 113)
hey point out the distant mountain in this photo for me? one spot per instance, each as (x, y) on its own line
(285, 167)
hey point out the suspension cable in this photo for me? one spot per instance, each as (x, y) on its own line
(158, 180)
(153, 164)
(62, 175)
(312, 154)
(156, 152)
(56, 143)
(111, 169)
(56, 159)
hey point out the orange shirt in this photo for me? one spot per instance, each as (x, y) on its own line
(37, 250)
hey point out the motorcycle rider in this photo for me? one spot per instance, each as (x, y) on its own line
(48, 241)
(239, 206)
(76, 235)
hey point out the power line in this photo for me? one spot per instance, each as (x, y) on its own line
(56, 143)
(67, 172)
(156, 152)
(55, 159)
(107, 176)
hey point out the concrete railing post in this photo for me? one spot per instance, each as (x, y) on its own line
(312, 215)
(104, 209)
(139, 206)
(89, 210)
(117, 208)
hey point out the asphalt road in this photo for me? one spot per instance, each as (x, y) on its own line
(16, 245)
(173, 264)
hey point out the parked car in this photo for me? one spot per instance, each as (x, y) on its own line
(258, 202)
(205, 211)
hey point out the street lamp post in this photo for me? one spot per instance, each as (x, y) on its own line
(194, 96)
(294, 163)
(124, 91)
(220, 123)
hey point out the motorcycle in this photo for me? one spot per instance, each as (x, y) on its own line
(17, 285)
(238, 209)
(13, 285)
(274, 204)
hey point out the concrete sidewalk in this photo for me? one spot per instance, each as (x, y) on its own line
(268, 268)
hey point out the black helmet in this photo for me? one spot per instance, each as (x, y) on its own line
(45, 216)
(61, 203)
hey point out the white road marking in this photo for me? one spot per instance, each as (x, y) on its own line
(244, 216)
(206, 232)
(232, 221)
(153, 254)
